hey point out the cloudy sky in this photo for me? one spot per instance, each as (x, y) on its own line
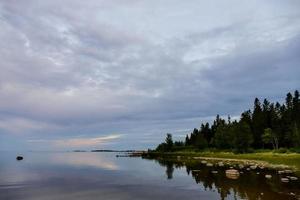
(120, 74)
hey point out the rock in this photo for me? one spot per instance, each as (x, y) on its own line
(248, 169)
(257, 173)
(203, 161)
(196, 170)
(221, 164)
(178, 157)
(284, 180)
(268, 176)
(232, 173)
(19, 158)
(241, 166)
(253, 167)
(209, 165)
(287, 171)
(214, 172)
(281, 172)
(293, 178)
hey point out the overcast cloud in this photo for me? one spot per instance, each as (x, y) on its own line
(120, 74)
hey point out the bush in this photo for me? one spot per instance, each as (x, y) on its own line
(295, 150)
(281, 150)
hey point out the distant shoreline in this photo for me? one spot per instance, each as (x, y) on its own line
(110, 150)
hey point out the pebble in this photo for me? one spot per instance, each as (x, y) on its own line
(293, 178)
(287, 171)
(209, 165)
(241, 166)
(268, 176)
(203, 161)
(284, 180)
(253, 167)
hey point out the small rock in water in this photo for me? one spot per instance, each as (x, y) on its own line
(268, 176)
(241, 166)
(257, 173)
(248, 169)
(293, 178)
(284, 180)
(232, 173)
(19, 158)
(280, 172)
(287, 171)
(203, 161)
(209, 165)
(253, 167)
(214, 172)
(221, 164)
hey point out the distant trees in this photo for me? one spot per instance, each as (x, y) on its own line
(268, 125)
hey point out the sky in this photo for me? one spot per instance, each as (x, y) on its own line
(121, 74)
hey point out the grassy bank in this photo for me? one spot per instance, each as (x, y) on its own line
(291, 160)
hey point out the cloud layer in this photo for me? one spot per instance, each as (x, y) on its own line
(140, 68)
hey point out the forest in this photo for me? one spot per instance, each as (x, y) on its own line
(267, 126)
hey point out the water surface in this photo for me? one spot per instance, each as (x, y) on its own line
(85, 175)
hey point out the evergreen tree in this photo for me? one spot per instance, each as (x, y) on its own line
(169, 142)
(242, 137)
(223, 137)
(258, 124)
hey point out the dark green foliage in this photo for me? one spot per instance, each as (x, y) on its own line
(269, 125)
(169, 142)
(223, 137)
(242, 137)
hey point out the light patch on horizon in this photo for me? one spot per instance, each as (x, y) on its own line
(85, 142)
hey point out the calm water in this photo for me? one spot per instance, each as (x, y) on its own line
(73, 176)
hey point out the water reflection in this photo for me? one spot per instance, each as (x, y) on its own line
(251, 184)
(72, 176)
(82, 159)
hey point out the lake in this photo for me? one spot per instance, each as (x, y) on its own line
(87, 175)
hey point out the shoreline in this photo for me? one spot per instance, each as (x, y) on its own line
(265, 159)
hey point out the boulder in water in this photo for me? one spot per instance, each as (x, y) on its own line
(232, 173)
(19, 158)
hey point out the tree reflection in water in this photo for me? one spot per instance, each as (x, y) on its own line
(250, 185)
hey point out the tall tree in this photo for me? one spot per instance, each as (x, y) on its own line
(242, 137)
(258, 124)
(169, 142)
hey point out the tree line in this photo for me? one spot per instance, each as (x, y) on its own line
(267, 126)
